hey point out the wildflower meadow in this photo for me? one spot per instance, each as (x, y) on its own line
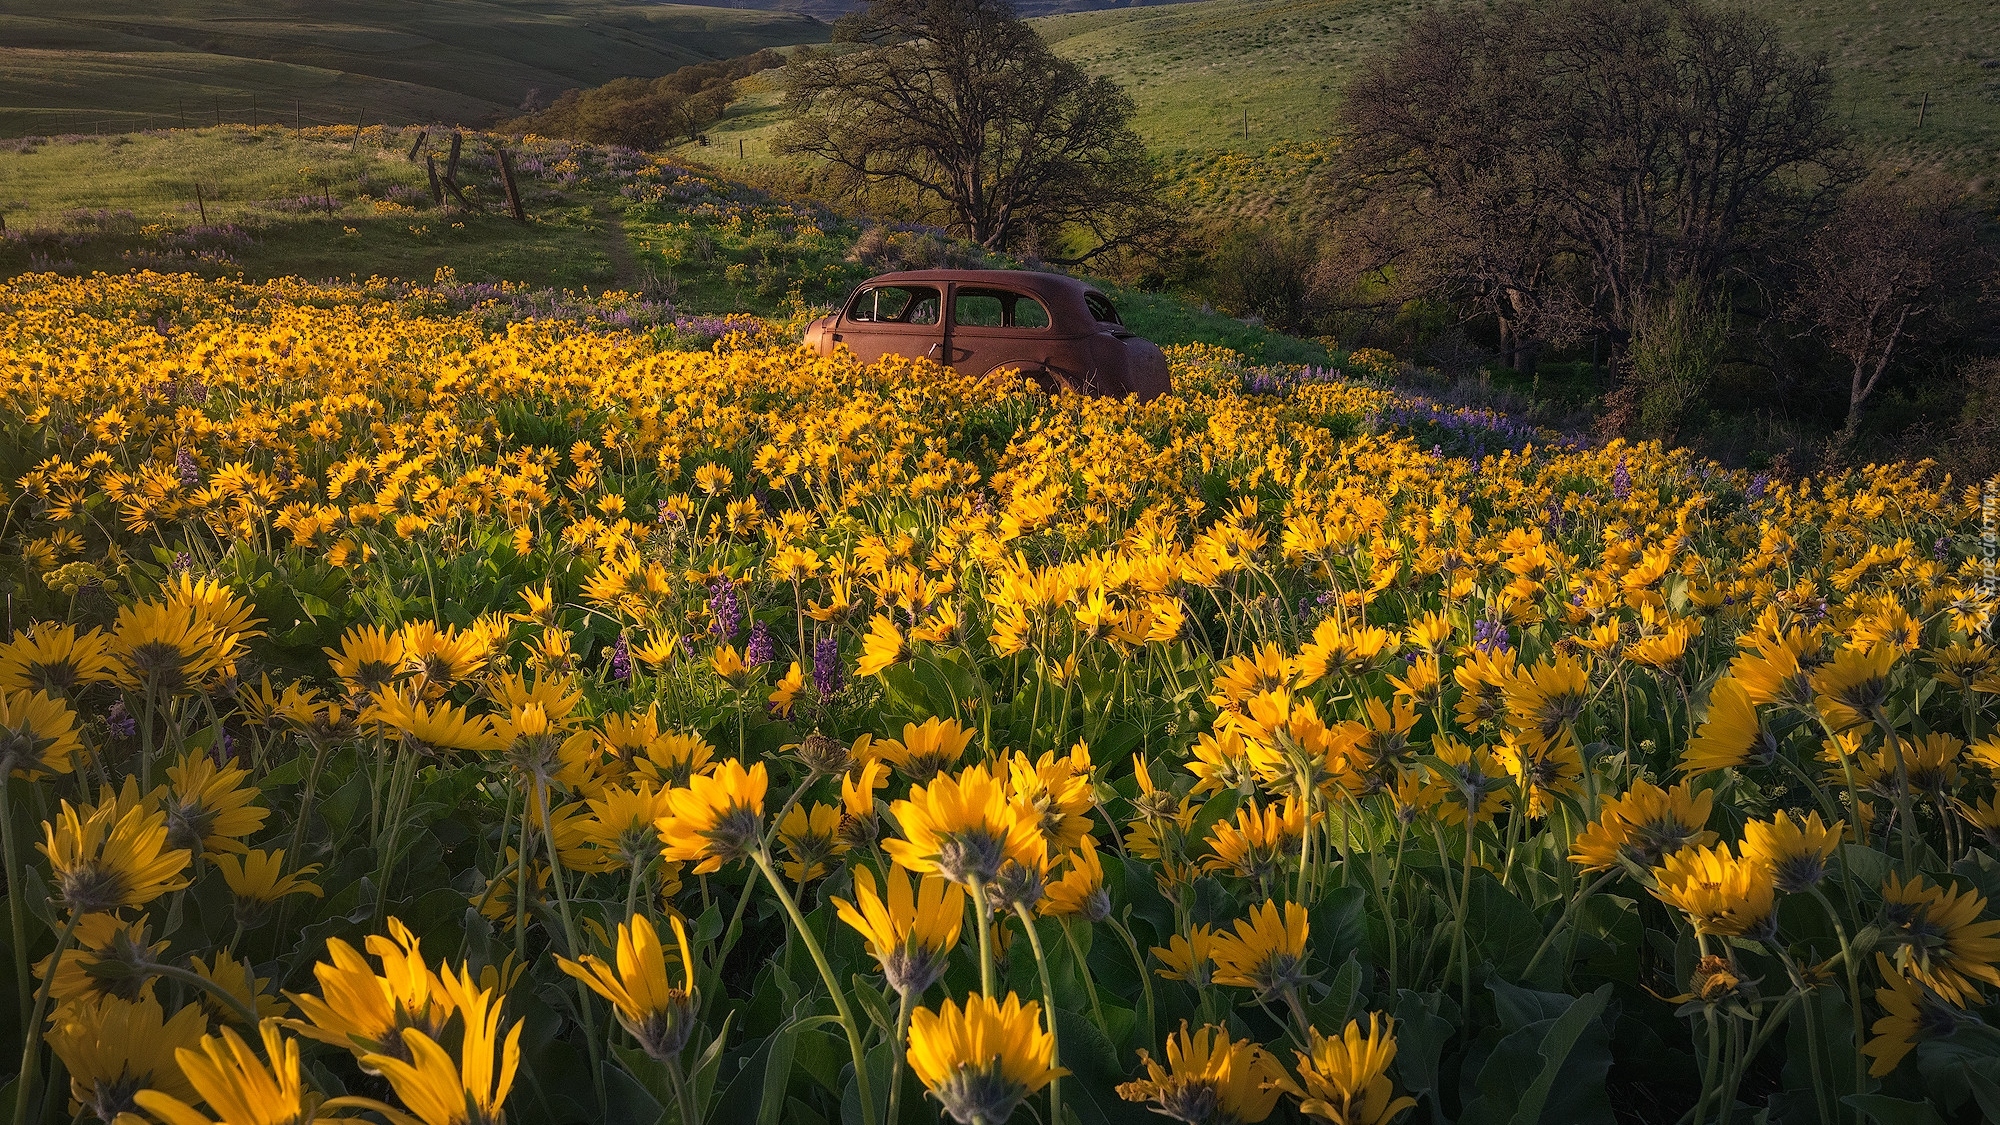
(415, 714)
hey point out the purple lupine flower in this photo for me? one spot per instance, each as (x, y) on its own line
(725, 612)
(1489, 636)
(621, 660)
(1941, 550)
(224, 749)
(183, 561)
(120, 722)
(761, 648)
(668, 514)
(826, 665)
(189, 471)
(1621, 480)
(1758, 485)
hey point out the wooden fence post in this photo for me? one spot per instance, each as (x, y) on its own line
(507, 182)
(437, 191)
(422, 136)
(200, 203)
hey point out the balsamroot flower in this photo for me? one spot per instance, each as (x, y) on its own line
(370, 1013)
(1209, 1079)
(964, 828)
(981, 1060)
(115, 1048)
(1849, 690)
(1267, 951)
(1081, 890)
(660, 1015)
(1912, 1014)
(55, 659)
(111, 856)
(467, 1091)
(718, 818)
(910, 933)
(1722, 894)
(37, 735)
(926, 749)
(1345, 1079)
(1796, 851)
(1730, 737)
(1943, 942)
(1643, 825)
(237, 1085)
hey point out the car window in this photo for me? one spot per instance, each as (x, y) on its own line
(896, 304)
(978, 308)
(997, 308)
(1101, 308)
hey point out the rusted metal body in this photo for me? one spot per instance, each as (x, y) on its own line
(1055, 329)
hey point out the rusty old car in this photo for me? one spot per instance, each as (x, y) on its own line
(1056, 330)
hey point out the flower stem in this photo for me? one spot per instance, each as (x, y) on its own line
(1563, 922)
(16, 905)
(193, 979)
(31, 1033)
(896, 1059)
(1853, 984)
(984, 911)
(1083, 970)
(1049, 1002)
(762, 856)
(1145, 978)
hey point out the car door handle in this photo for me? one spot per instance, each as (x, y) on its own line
(933, 353)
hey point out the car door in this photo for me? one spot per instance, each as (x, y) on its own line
(893, 318)
(992, 326)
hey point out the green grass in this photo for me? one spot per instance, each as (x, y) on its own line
(709, 245)
(1199, 72)
(1195, 70)
(121, 202)
(115, 65)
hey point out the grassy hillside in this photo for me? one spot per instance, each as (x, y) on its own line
(1196, 69)
(1203, 73)
(113, 65)
(323, 203)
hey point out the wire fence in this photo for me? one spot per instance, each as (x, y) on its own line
(205, 110)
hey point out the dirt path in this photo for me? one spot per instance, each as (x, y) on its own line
(624, 266)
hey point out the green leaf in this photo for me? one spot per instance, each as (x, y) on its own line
(1339, 924)
(1551, 1069)
(1500, 925)
(1893, 1111)
(777, 1073)
(1562, 1038)
(1420, 1038)
(871, 1002)
(1868, 866)
(1095, 1074)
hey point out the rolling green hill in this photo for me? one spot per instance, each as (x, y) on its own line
(1197, 69)
(115, 65)
(1202, 73)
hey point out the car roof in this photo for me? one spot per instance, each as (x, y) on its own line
(1030, 280)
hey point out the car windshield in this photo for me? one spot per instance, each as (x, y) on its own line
(896, 304)
(1101, 308)
(997, 308)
